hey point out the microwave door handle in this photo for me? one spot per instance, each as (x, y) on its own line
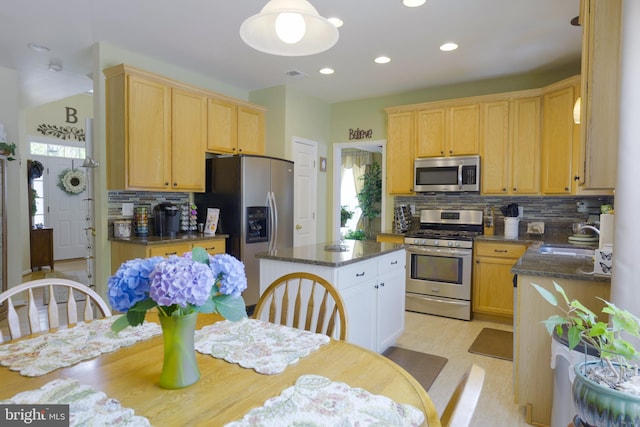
(460, 176)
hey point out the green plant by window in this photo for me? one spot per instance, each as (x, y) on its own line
(345, 215)
(355, 235)
(34, 205)
(370, 196)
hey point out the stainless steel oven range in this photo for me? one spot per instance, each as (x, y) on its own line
(439, 262)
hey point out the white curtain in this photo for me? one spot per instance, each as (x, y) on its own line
(357, 161)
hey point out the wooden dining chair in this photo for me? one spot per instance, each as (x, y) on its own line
(54, 307)
(464, 399)
(304, 301)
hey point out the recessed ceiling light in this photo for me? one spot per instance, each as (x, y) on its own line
(38, 47)
(336, 21)
(327, 70)
(55, 65)
(447, 47)
(382, 60)
(413, 3)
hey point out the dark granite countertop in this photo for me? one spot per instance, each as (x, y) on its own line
(163, 240)
(356, 250)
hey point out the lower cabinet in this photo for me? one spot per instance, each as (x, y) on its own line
(493, 280)
(122, 251)
(373, 291)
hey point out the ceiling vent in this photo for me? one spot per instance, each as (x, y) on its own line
(295, 74)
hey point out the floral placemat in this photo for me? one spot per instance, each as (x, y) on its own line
(316, 400)
(48, 352)
(266, 347)
(87, 407)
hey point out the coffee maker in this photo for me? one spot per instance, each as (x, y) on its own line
(166, 218)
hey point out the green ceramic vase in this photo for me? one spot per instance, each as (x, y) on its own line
(179, 368)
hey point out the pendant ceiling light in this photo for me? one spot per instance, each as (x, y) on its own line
(289, 28)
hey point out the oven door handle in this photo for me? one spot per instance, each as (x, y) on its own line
(444, 301)
(435, 251)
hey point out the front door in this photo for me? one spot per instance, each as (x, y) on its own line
(64, 212)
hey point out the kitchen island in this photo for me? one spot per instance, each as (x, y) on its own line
(532, 374)
(370, 277)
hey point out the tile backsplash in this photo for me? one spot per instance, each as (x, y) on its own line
(139, 199)
(550, 209)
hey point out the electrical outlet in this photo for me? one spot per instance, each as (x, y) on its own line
(127, 209)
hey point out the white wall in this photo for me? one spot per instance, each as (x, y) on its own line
(16, 186)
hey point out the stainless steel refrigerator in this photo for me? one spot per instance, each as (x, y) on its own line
(255, 198)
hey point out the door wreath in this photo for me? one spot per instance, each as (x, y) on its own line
(72, 181)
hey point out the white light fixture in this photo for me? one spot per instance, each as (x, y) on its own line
(413, 3)
(289, 28)
(576, 111)
(38, 47)
(382, 60)
(336, 21)
(448, 47)
(327, 71)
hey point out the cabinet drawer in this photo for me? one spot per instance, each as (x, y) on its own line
(500, 249)
(390, 263)
(168, 250)
(213, 247)
(357, 273)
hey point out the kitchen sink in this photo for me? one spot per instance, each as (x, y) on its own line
(565, 251)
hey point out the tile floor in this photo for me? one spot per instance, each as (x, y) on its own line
(451, 338)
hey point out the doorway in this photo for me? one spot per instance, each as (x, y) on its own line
(57, 208)
(344, 191)
(305, 153)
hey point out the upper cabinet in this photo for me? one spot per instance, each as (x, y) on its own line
(557, 139)
(510, 146)
(600, 94)
(159, 129)
(448, 131)
(235, 128)
(400, 152)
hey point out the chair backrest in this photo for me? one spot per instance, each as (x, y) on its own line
(464, 400)
(51, 284)
(304, 301)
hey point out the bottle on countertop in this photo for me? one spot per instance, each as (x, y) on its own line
(488, 222)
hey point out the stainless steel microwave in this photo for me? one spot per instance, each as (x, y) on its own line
(447, 174)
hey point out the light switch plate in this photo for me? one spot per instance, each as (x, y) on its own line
(127, 209)
(536, 227)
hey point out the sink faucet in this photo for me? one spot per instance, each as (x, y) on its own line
(590, 227)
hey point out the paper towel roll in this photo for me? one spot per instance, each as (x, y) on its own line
(606, 229)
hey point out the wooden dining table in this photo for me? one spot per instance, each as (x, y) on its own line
(225, 391)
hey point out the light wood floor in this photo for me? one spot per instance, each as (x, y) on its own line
(451, 338)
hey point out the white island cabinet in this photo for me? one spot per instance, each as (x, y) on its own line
(370, 277)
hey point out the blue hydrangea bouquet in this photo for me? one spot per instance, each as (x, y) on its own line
(178, 286)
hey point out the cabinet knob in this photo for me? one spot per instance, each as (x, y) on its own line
(394, 262)
(239, 150)
(360, 274)
(576, 178)
(504, 190)
(382, 284)
(441, 152)
(515, 189)
(566, 189)
(175, 184)
(450, 151)
(166, 184)
(375, 286)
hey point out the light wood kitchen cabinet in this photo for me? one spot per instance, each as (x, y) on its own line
(496, 146)
(448, 131)
(493, 280)
(400, 152)
(234, 128)
(557, 140)
(188, 137)
(152, 123)
(510, 146)
(525, 145)
(122, 251)
(431, 132)
(463, 130)
(600, 92)
(390, 238)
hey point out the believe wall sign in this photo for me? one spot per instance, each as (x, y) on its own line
(360, 134)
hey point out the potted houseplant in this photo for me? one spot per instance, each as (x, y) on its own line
(370, 196)
(8, 149)
(606, 392)
(345, 215)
